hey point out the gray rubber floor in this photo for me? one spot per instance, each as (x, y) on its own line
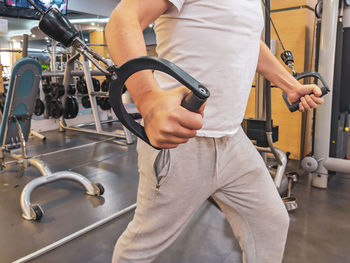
(319, 230)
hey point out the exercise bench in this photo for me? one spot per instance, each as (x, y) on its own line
(14, 132)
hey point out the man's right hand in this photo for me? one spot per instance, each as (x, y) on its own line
(167, 123)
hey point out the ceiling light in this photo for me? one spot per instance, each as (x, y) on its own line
(33, 35)
(89, 20)
(92, 23)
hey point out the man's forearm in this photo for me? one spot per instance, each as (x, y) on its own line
(125, 41)
(272, 69)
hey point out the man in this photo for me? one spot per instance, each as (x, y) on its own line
(205, 153)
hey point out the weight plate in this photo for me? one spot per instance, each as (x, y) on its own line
(105, 85)
(46, 80)
(57, 90)
(96, 84)
(71, 107)
(85, 101)
(71, 90)
(55, 109)
(98, 101)
(48, 98)
(39, 107)
(46, 88)
(104, 104)
(81, 87)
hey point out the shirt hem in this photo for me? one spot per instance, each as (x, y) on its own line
(216, 134)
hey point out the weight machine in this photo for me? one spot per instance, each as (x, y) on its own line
(261, 129)
(332, 119)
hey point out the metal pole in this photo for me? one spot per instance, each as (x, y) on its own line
(25, 46)
(268, 86)
(345, 98)
(326, 69)
(90, 87)
(53, 58)
(73, 236)
(267, 82)
(260, 112)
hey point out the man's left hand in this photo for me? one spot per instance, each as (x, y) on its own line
(309, 96)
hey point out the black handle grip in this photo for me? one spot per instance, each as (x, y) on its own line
(325, 90)
(192, 101)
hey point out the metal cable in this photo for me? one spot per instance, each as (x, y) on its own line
(273, 25)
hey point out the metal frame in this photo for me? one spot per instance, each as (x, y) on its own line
(321, 163)
(68, 78)
(47, 177)
(281, 168)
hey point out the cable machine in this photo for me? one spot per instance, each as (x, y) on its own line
(332, 119)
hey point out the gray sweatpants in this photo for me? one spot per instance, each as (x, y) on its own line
(175, 183)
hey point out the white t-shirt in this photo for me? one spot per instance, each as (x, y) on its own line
(217, 42)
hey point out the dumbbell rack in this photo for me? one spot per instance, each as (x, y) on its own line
(69, 73)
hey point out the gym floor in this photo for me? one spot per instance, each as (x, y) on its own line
(319, 230)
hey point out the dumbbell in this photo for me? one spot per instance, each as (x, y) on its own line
(85, 101)
(39, 107)
(71, 107)
(57, 90)
(104, 103)
(55, 109)
(82, 87)
(46, 88)
(96, 84)
(105, 85)
(71, 90)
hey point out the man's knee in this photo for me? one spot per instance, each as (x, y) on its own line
(281, 218)
(117, 254)
(123, 249)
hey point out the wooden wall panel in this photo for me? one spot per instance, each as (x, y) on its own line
(281, 4)
(98, 37)
(291, 26)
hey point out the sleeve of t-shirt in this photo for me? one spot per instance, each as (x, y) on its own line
(177, 3)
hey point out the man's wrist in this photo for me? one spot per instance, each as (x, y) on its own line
(144, 100)
(292, 87)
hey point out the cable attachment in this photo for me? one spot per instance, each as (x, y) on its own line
(288, 59)
(54, 24)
